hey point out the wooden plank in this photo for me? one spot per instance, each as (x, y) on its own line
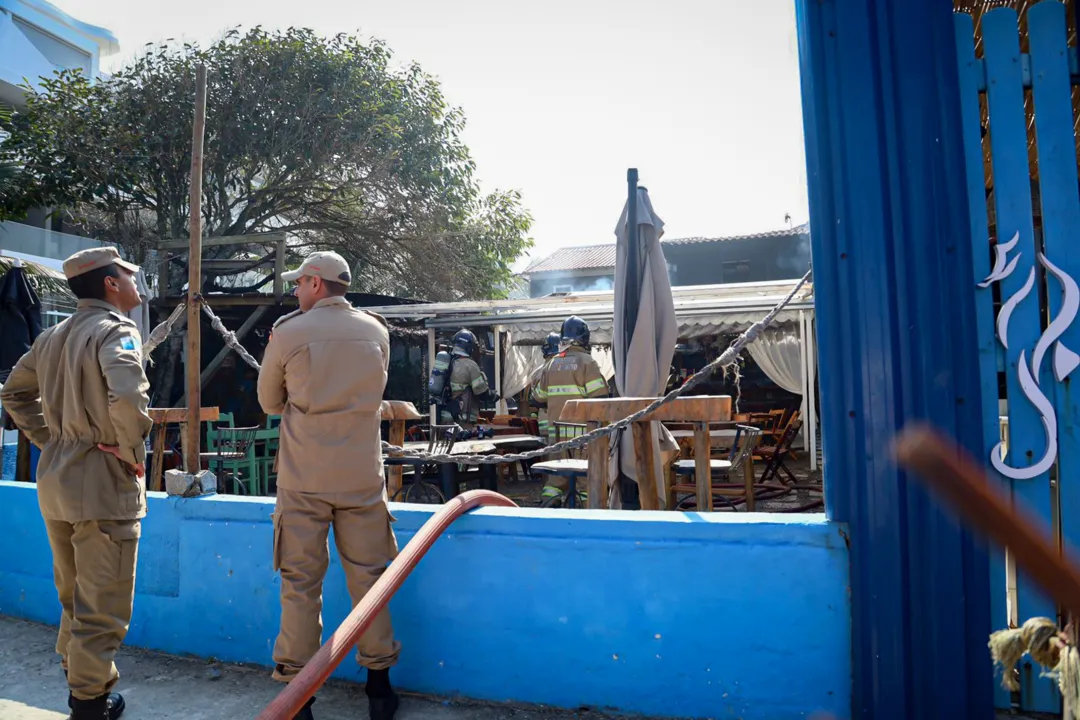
(646, 467)
(250, 239)
(194, 328)
(703, 467)
(597, 480)
(1060, 200)
(989, 351)
(704, 408)
(1012, 193)
(176, 415)
(158, 460)
(397, 437)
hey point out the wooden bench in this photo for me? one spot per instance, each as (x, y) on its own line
(698, 411)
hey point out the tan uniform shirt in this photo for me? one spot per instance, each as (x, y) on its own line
(324, 372)
(82, 383)
(570, 375)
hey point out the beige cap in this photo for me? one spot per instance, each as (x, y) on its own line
(86, 260)
(327, 265)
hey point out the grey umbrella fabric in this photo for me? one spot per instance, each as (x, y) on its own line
(641, 370)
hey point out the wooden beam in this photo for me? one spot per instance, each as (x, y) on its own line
(250, 239)
(194, 329)
(702, 408)
(234, 301)
(177, 415)
(279, 267)
(703, 467)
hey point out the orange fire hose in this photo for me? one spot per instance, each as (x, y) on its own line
(311, 678)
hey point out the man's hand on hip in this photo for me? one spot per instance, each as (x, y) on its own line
(114, 450)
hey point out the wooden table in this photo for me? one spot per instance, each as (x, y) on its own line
(397, 412)
(162, 417)
(701, 410)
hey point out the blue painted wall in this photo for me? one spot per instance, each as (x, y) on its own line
(740, 616)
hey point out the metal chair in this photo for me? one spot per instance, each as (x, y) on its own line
(441, 440)
(234, 451)
(572, 467)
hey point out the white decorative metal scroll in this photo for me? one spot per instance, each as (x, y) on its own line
(1064, 359)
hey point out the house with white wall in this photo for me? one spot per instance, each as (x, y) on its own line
(36, 40)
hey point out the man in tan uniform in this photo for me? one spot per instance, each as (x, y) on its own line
(324, 372)
(570, 375)
(80, 394)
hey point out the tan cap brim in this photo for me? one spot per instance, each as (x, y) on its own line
(130, 267)
(292, 276)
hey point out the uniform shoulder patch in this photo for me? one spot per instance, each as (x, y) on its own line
(377, 316)
(289, 316)
(129, 342)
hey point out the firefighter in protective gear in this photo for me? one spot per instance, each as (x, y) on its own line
(468, 385)
(80, 394)
(572, 374)
(549, 349)
(325, 373)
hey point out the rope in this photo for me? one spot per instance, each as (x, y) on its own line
(726, 358)
(1048, 646)
(229, 336)
(162, 331)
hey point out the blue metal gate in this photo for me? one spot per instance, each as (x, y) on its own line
(1025, 223)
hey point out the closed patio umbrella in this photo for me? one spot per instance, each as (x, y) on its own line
(645, 329)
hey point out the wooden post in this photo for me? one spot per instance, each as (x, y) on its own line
(431, 349)
(194, 328)
(22, 459)
(598, 470)
(643, 454)
(703, 467)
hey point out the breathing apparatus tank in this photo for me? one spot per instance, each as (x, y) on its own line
(440, 377)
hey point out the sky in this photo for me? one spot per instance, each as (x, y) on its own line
(562, 97)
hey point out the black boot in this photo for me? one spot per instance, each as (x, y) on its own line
(113, 701)
(96, 709)
(382, 700)
(305, 712)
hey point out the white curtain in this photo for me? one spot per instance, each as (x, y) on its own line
(603, 357)
(519, 364)
(778, 352)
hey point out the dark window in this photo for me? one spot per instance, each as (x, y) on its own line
(735, 271)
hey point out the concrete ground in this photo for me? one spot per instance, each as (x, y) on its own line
(158, 687)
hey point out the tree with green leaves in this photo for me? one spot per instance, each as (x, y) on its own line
(321, 138)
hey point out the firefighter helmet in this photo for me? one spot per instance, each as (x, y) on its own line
(465, 341)
(550, 347)
(575, 331)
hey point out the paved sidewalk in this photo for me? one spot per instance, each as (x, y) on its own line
(158, 686)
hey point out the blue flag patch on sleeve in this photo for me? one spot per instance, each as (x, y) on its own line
(128, 343)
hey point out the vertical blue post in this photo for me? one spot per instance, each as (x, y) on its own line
(895, 303)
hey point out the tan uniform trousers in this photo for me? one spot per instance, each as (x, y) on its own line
(366, 545)
(94, 569)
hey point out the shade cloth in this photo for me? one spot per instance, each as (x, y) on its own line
(779, 354)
